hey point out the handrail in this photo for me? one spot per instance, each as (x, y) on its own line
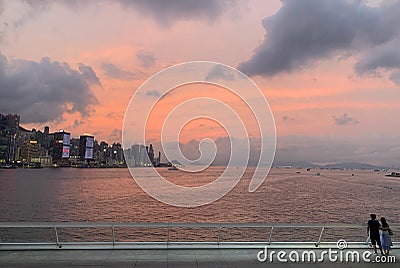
(176, 244)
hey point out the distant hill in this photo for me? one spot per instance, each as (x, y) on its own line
(341, 165)
(352, 165)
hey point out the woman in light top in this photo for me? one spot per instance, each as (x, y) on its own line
(386, 241)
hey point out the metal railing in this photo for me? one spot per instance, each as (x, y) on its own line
(217, 241)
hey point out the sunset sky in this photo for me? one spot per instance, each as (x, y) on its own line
(330, 70)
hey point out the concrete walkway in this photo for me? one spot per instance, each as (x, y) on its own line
(163, 258)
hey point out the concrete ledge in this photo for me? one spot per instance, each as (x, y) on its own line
(161, 258)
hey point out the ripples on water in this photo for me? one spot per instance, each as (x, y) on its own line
(111, 195)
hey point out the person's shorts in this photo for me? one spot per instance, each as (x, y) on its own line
(375, 239)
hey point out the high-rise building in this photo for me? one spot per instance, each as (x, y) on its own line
(151, 154)
(29, 150)
(86, 144)
(60, 146)
(135, 152)
(9, 129)
(144, 156)
(117, 154)
(3, 140)
(74, 148)
(104, 152)
(45, 140)
(130, 161)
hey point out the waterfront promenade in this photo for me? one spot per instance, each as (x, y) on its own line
(160, 258)
(218, 252)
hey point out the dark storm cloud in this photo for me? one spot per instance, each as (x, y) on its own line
(146, 59)
(163, 12)
(89, 74)
(42, 91)
(395, 77)
(113, 71)
(344, 119)
(385, 57)
(219, 72)
(1, 7)
(167, 12)
(303, 31)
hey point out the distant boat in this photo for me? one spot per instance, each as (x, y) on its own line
(82, 166)
(173, 168)
(393, 174)
(33, 165)
(8, 167)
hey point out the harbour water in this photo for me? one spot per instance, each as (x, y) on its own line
(111, 195)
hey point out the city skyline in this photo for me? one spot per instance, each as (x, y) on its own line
(332, 81)
(36, 148)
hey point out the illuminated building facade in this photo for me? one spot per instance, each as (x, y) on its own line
(86, 144)
(60, 146)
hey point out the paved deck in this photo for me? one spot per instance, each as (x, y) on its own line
(160, 258)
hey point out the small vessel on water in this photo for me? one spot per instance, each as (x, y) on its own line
(32, 165)
(393, 174)
(8, 166)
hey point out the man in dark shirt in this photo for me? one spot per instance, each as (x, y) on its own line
(373, 232)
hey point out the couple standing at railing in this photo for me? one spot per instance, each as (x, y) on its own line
(379, 233)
